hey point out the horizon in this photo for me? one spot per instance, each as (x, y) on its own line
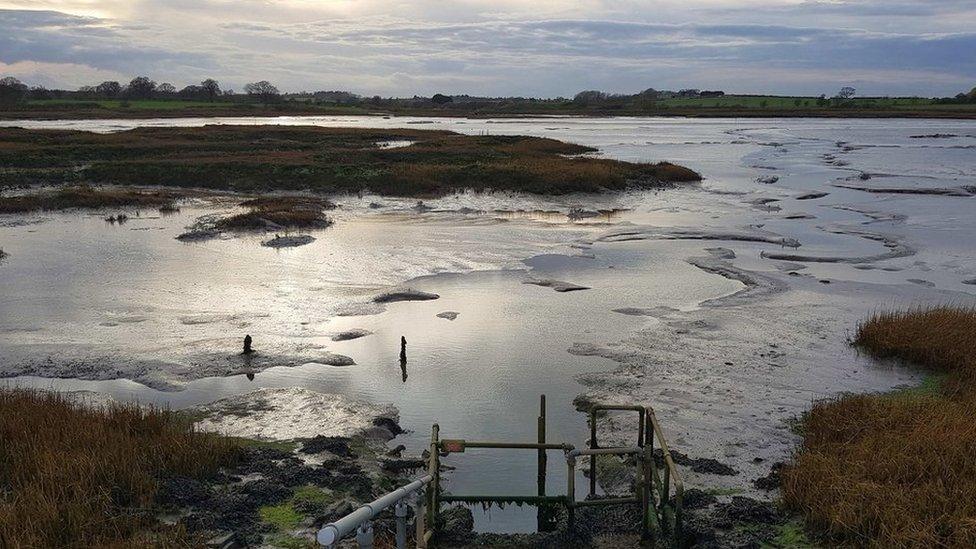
(478, 48)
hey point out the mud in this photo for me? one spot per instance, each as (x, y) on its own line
(406, 294)
(348, 335)
(282, 414)
(288, 241)
(557, 285)
(967, 191)
(171, 370)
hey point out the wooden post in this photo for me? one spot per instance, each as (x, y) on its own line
(647, 496)
(434, 469)
(593, 446)
(571, 492)
(541, 512)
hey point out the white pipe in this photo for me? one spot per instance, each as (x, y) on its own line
(334, 531)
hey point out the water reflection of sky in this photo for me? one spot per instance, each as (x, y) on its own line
(77, 286)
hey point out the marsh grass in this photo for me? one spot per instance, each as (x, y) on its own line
(897, 470)
(75, 476)
(85, 196)
(285, 212)
(341, 160)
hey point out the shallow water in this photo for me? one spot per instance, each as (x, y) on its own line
(85, 293)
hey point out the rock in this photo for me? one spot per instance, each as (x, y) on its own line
(335, 445)
(289, 241)
(389, 424)
(455, 525)
(697, 499)
(812, 196)
(181, 492)
(401, 465)
(746, 510)
(449, 315)
(405, 294)
(971, 281)
(771, 481)
(347, 335)
(396, 452)
(767, 179)
(338, 510)
(698, 465)
(265, 491)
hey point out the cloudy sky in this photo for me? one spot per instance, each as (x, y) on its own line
(499, 47)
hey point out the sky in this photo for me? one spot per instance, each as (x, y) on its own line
(539, 48)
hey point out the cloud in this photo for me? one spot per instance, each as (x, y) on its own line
(401, 47)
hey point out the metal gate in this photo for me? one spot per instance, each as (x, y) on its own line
(659, 487)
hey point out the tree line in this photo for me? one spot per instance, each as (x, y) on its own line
(14, 91)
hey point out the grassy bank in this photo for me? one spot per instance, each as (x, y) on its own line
(83, 196)
(268, 158)
(72, 476)
(897, 470)
(725, 106)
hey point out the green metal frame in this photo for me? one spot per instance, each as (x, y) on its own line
(661, 515)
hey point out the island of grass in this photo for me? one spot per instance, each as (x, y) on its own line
(85, 196)
(259, 159)
(897, 469)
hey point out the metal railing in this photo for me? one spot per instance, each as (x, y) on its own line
(661, 514)
(360, 519)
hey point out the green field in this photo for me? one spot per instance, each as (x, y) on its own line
(726, 106)
(162, 104)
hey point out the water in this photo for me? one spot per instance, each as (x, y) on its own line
(86, 294)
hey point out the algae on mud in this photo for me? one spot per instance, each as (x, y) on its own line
(336, 160)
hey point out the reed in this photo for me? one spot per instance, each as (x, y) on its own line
(85, 196)
(78, 476)
(898, 469)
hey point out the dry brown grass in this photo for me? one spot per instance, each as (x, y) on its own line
(84, 196)
(71, 476)
(286, 212)
(323, 160)
(897, 470)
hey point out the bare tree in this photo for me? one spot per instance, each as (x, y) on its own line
(263, 90)
(211, 88)
(846, 92)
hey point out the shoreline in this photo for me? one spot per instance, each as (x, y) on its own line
(137, 113)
